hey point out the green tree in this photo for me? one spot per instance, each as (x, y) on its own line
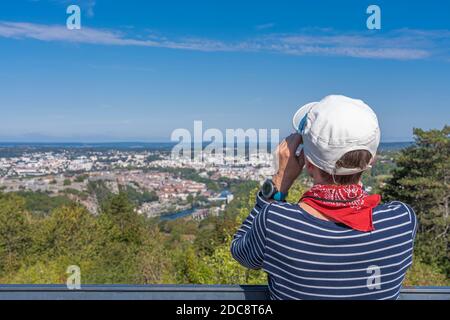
(41, 203)
(137, 197)
(121, 212)
(154, 264)
(81, 178)
(100, 190)
(229, 271)
(69, 231)
(68, 236)
(123, 234)
(421, 179)
(421, 274)
(15, 236)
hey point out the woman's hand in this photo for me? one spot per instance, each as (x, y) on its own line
(289, 165)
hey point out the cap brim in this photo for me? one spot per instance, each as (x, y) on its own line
(300, 114)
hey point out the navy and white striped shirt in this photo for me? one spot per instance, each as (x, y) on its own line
(309, 258)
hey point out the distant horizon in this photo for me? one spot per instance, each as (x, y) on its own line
(45, 139)
(130, 142)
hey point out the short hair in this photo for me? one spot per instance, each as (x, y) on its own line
(352, 159)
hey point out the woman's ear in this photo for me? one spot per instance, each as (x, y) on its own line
(373, 160)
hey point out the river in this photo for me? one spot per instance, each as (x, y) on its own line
(176, 215)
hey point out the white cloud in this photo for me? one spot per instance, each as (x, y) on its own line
(265, 26)
(402, 44)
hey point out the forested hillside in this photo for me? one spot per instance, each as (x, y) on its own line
(120, 246)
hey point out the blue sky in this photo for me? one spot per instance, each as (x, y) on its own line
(137, 70)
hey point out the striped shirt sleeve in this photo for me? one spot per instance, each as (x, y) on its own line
(413, 219)
(248, 244)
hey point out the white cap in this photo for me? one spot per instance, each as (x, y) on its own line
(334, 126)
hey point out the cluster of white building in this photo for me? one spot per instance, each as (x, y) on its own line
(252, 167)
(48, 163)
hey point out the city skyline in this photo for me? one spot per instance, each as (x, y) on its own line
(136, 71)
